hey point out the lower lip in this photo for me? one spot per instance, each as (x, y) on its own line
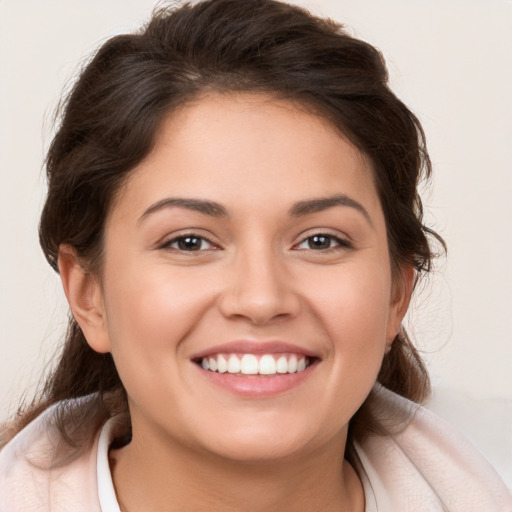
(258, 386)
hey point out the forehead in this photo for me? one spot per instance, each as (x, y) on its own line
(249, 150)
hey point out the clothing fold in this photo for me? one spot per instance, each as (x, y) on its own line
(425, 466)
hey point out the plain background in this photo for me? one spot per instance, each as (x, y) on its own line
(450, 61)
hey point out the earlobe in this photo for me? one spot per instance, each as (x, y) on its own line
(401, 297)
(85, 298)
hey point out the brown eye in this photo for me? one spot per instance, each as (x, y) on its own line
(189, 243)
(319, 242)
(323, 242)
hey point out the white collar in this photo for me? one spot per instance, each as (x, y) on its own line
(106, 492)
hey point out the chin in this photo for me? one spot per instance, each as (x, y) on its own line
(265, 442)
(258, 451)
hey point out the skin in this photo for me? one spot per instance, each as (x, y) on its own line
(196, 446)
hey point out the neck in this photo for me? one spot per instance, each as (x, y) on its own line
(180, 479)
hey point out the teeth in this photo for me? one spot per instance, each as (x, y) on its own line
(249, 364)
(222, 364)
(281, 365)
(267, 365)
(233, 364)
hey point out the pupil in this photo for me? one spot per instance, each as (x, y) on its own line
(189, 243)
(319, 242)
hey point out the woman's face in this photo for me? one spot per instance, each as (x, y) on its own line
(249, 244)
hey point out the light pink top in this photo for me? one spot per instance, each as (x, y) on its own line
(429, 467)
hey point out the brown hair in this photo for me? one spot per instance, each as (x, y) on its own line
(108, 125)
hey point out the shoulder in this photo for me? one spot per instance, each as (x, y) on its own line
(428, 465)
(40, 472)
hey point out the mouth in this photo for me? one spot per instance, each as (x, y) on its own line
(256, 364)
(256, 369)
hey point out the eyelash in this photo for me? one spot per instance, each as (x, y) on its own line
(340, 243)
(188, 236)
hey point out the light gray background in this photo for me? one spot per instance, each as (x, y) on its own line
(450, 61)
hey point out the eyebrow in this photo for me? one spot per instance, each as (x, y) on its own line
(299, 209)
(324, 203)
(199, 205)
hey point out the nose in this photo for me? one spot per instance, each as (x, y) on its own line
(259, 289)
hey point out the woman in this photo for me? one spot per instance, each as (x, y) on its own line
(233, 212)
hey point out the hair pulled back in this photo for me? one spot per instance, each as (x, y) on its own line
(109, 121)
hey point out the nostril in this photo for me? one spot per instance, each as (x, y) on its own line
(260, 288)
(260, 308)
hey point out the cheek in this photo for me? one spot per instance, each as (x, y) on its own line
(149, 316)
(354, 311)
(154, 309)
(354, 303)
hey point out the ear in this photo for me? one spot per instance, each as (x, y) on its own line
(403, 286)
(85, 298)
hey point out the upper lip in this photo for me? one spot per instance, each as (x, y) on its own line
(254, 347)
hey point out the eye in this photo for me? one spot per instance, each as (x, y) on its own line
(189, 243)
(322, 242)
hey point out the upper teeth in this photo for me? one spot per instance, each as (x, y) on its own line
(250, 364)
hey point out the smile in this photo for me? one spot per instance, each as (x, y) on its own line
(255, 364)
(255, 368)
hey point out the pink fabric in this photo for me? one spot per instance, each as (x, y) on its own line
(27, 484)
(429, 467)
